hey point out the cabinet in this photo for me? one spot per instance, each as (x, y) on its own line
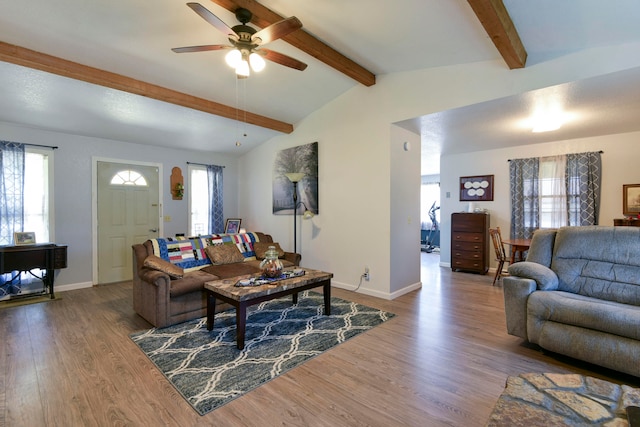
(470, 242)
(626, 222)
(47, 256)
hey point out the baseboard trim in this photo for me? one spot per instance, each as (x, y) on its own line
(73, 286)
(375, 293)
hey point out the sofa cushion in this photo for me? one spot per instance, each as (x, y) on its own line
(261, 247)
(545, 278)
(541, 250)
(157, 263)
(224, 254)
(600, 262)
(224, 271)
(584, 312)
(192, 281)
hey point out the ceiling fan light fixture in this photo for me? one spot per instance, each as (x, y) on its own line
(256, 61)
(233, 58)
(242, 70)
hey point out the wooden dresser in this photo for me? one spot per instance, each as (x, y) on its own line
(470, 242)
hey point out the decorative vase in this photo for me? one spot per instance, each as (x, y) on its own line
(271, 266)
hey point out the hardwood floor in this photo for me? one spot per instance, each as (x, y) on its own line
(443, 360)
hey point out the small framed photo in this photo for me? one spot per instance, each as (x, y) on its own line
(232, 225)
(24, 238)
(476, 188)
(631, 199)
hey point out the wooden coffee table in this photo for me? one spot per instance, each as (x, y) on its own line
(245, 296)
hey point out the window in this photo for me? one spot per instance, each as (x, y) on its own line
(205, 199)
(128, 177)
(553, 197)
(36, 191)
(198, 201)
(36, 206)
(556, 191)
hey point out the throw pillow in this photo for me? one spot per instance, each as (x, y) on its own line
(224, 254)
(545, 277)
(261, 247)
(156, 263)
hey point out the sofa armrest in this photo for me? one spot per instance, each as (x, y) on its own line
(293, 258)
(516, 293)
(151, 295)
(155, 277)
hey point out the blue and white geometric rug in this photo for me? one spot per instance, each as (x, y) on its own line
(209, 371)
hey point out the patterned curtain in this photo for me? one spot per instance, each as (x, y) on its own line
(11, 205)
(216, 215)
(525, 201)
(583, 180)
(11, 190)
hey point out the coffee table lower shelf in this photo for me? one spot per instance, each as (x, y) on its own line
(243, 297)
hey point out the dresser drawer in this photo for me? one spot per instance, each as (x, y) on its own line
(468, 222)
(467, 237)
(467, 264)
(461, 245)
(477, 255)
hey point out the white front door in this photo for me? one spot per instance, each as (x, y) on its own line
(128, 212)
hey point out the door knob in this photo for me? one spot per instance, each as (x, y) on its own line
(153, 230)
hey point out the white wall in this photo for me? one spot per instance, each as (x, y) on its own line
(72, 191)
(619, 166)
(355, 163)
(405, 213)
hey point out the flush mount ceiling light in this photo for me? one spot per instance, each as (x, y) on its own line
(548, 111)
(246, 42)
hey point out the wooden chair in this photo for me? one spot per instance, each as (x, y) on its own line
(501, 255)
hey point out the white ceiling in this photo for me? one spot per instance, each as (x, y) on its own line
(134, 39)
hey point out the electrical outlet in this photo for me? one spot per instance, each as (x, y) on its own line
(366, 274)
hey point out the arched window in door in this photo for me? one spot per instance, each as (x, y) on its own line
(128, 177)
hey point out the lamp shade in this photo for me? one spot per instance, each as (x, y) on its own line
(256, 61)
(242, 70)
(294, 176)
(233, 58)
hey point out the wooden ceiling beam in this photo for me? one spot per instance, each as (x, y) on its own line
(51, 64)
(263, 17)
(498, 24)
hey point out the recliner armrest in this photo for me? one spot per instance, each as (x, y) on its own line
(545, 278)
(516, 293)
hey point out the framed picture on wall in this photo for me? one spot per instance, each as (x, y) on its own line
(232, 226)
(476, 188)
(631, 199)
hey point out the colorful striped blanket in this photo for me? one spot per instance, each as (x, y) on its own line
(189, 253)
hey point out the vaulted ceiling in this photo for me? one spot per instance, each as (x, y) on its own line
(106, 69)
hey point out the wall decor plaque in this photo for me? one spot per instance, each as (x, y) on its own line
(476, 188)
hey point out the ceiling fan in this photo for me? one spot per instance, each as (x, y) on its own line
(246, 42)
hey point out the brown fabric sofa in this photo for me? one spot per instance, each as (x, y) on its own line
(162, 300)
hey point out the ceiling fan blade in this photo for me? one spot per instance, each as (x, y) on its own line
(201, 48)
(276, 30)
(212, 19)
(282, 59)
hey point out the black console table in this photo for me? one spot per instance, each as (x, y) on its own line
(45, 256)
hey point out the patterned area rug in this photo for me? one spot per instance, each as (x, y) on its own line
(562, 400)
(209, 371)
